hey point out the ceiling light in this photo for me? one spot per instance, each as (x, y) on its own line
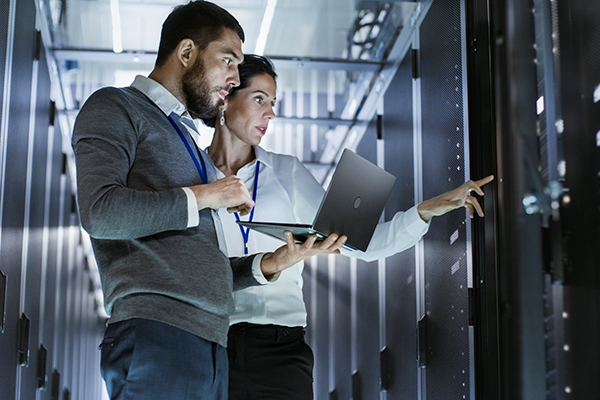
(116, 25)
(264, 27)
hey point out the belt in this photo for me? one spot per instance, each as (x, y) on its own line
(273, 332)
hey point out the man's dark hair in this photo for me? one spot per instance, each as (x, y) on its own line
(252, 66)
(201, 21)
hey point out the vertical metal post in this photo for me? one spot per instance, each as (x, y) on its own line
(332, 333)
(467, 169)
(418, 195)
(353, 314)
(300, 114)
(314, 113)
(381, 263)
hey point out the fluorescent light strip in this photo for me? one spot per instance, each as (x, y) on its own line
(116, 25)
(264, 27)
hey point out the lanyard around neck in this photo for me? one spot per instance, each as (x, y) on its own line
(201, 168)
(246, 232)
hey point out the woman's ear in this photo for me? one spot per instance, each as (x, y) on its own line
(223, 107)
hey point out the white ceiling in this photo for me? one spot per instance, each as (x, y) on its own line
(315, 28)
(315, 31)
(299, 29)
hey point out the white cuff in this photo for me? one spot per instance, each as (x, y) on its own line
(193, 215)
(414, 222)
(257, 272)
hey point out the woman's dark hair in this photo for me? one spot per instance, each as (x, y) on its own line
(201, 21)
(252, 66)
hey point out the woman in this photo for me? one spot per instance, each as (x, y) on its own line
(268, 357)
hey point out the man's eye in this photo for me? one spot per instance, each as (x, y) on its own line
(227, 61)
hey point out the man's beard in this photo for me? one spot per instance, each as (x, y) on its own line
(198, 93)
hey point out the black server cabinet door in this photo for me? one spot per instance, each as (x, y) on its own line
(16, 94)
(446, 252)
(340, 338)
(399, 361)
(35, 281)
(317, 303)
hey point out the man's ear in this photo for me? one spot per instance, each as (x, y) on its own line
(186, 52)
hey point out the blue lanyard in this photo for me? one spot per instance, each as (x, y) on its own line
(201, 168)
(246, 232)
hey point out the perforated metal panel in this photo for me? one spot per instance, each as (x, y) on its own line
(444, 162)
(366, 383)
(400, 269)
(34, 241)
(15, 142)
(31, 242)
(319, 323)
(341, 338)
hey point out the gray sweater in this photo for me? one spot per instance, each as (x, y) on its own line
(131, 166)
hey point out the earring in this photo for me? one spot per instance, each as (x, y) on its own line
(222, 119)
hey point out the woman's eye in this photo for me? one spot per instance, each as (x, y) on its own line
(259, 100)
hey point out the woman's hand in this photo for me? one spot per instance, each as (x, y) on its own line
(456, 198)
(291, 253)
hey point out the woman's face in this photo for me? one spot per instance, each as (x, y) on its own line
(249, 111)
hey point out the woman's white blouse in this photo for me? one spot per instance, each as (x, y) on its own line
(288, 192)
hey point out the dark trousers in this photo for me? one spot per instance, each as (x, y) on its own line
(147, 360)
(269, 362)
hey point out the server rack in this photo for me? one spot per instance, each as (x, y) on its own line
(532, 288)
(530, 96)
(407, 316)
(49, 324)
(536, 66)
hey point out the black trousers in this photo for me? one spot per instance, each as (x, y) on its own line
(269, 362)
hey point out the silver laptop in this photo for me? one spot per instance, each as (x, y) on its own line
(352, 205)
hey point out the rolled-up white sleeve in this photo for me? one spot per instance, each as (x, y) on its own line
(399, 234)
(257, 272)
(193, 216)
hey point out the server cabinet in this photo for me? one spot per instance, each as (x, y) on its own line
(51, 265)
(571, 257)
(316, 287)
(579, 86)
(14, 342)
(342, 278)
(399, 365)
(365, 375)
(536, 66)
(34, 267)
(409, 314)
(50, 327)
(447, 259)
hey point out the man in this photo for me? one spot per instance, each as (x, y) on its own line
(147, 197)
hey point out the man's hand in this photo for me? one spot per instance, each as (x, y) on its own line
(229, 192)
(456, 198)
(291, 253)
